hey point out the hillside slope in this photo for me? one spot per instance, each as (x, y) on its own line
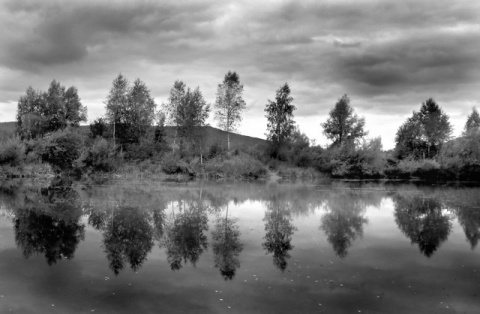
(214, 135)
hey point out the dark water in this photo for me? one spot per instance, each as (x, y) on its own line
(137, 247)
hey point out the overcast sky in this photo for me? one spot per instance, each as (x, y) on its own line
(388, 56)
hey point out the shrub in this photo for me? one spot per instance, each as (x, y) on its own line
(99, 157)
(12, 152)
(172, 164)
(241, 165)
(61, 149)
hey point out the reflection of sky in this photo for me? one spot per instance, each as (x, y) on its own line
(381, 270)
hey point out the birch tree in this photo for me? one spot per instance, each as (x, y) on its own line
(229, 104)
(171, 108)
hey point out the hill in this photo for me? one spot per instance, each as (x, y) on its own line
(214, 135)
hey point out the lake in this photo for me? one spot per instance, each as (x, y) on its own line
(132, 246)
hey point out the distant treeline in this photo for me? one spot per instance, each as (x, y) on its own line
(133, 131)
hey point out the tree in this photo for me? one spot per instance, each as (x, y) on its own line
(140, 113)
(116, 103)
(176, 94)
(436, 125)
(472, 126)
(410, 139)
(229, 104)
(280, 118)
(130, 110)
(343, 124)
(423, 134)
(191, 115)
(40, 112)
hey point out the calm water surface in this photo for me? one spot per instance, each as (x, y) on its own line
(151, 247)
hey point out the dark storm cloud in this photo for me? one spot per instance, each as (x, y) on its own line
(389, 56)
(59, 33)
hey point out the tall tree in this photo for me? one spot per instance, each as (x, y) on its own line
(140, 113)
(280, 118)
(472, 126)
(191, 116)
(423, 134)
(130, 110)
(343, 124)
(116, 103)
(176, 95)
(229, 104)
(436, 125)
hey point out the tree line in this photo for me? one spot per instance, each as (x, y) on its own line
(133, 128)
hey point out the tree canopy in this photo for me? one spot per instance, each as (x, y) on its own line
(40, 112)
(424, 132)
(130, 110)
(343, 124)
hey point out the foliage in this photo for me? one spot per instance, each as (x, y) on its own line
(61, 149)
(99, 157)
(345, 160)
(99, 128)
(237, 166)
(130, 110)
(172, 164)
(343, 124)
(279, 115)
(472, 126)
(423, 134)
(12, 152)
(41, 112)
(191, 115)
(229, 104)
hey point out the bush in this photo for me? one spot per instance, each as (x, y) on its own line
(61, 149)
(172, 164)
(99, 157)
(12, 152)
(241, 165)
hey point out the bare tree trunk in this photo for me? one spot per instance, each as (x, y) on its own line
(228, 140)
(114, 122)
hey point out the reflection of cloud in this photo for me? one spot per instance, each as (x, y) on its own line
(385, 55)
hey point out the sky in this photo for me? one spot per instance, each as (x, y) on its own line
(387, 56)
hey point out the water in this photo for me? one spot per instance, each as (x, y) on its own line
(148, 247)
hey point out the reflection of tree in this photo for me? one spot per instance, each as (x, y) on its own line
(469, 219)
(226, 246)
(279, 233)
(422, 221)
(127, 235)
(184, 237)
(48, 224)
(343, 221)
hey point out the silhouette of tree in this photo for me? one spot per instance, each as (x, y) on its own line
(422, 221)
(226, 246)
